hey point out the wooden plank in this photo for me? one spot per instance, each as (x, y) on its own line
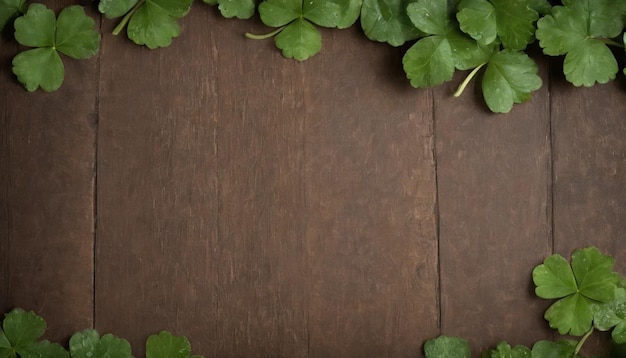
(263, 290)
(589, 169)
(370, 203)
(494, 183)
(157, 186)
(589, 173)
(47, 195)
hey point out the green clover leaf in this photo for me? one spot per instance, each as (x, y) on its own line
(510, 77)
(152, 23)
(115, 8)
(37, 27)
(72, 34)
(152, 26)
(578, 30)
(297, 37)
(88, 343)
(241, 9)
(300, 40)
(75, 34)
(19, 334)
(543, 7)
(444, 346)
(504, 350)
(560, 349)
(612, 315)
(593, 282)
(40, 67)
(387, 21)
(433, 59)
(10, 9)
(166, 345)
(351, 10)
(429, 62)
(510, 21)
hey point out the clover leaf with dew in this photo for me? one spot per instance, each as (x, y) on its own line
(88, 344)
(444, 346)
(578, 287)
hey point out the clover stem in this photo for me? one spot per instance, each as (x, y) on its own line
(122, 24)
(264, 36)
(611, 43)
(467, 80)
(582, 341)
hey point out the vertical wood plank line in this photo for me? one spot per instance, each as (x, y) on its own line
(552, 175)
(6, 267)
(95, 176)
(433, 115)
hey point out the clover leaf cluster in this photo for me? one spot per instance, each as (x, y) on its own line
(72, 34)
(487, 38)
(21, 332)
(588, 296)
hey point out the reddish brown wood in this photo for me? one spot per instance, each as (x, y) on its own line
(370, 203)
(47, 188)
(266, 207)
(494, 183)
(156, 249)
(589, 164)
(223, 233)
(262, 284)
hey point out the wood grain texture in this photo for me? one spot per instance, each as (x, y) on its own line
(370, 203)
(589, 168)
(494, 189)
(157, 193)
(589, 173)
(263, 286)
(48, 153)
(233, 194)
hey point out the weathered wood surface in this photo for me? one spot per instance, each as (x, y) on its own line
(48, 177)
(494, 187)
(265, 207)
(589, 159)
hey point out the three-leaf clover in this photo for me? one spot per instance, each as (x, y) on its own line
(296, 35)
(19, 337)
(387, 21)
(444, 346)
(509, 21)
(152, 23)
(580, 30)
(166, 345)
(73, 33)
(433, 59)
(88, 344)
(579, 288)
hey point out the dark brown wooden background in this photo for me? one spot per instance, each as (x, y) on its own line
(269, 208)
